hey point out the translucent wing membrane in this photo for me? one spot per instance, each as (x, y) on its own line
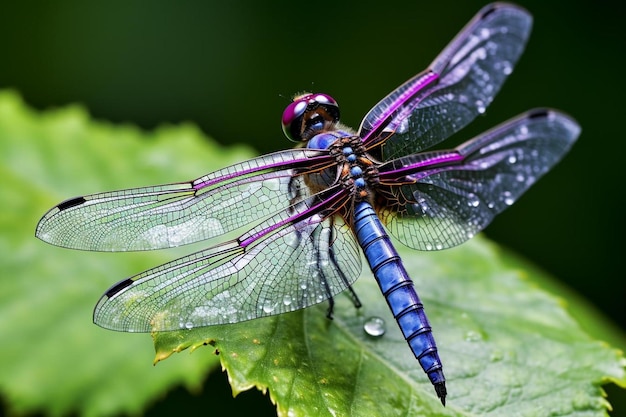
(457, 86)
(293, 260)
(455, 194)
(177, 214)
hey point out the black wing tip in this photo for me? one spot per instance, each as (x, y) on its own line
(110, 293)
(440, 389)
(40, 230)
(116, 288)
(72, 202)
(549, 113)
(492, 7)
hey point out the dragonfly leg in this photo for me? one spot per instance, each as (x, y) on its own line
(354, 297)
(331, 306)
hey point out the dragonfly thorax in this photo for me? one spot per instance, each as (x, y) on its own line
(354, 169)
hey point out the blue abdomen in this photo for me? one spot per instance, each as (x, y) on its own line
(398, 289)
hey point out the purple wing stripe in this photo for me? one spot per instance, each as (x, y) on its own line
(413, 87)
(457, 86)
(444, 198)
(284, 159)
(430, 159)
(323, 201)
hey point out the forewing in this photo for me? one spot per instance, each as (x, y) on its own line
(455, 194)
(458, 85)
(171, 215)
(265, 272)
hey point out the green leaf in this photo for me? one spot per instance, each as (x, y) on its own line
(53, 359)
(508, 347)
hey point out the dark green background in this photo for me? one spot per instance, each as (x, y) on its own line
(231, 67)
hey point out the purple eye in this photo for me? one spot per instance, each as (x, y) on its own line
(307, 115)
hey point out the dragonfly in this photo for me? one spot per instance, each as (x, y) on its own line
(307, 213)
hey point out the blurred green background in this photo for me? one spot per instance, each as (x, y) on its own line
(230, 67)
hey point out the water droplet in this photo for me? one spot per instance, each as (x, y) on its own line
(303, 285)
(473, 336)
(507, 198)
(287, 300)
(507, 68)
(268, 306)
(421, 208)
(480, 106)
(512, 159)
(438, 245)
(189, 325)
(520, 178)
(374, 326)
(429, 246)
(473, 201)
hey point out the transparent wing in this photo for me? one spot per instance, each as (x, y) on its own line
(295, 259)
(171, 215)
(458, 85)
(441, 199)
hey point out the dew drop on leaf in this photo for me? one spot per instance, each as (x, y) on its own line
(374, 326)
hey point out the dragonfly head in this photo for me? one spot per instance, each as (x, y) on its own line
(309, 114)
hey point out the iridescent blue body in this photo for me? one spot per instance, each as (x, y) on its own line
(398, 289)
(360, 177)
(307, 213)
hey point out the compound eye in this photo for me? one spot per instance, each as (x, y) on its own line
(307, 113)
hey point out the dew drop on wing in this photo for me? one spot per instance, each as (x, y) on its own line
(480, 106)
(507, 198)
(473, 200)
(287, 300)
(269, 306)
